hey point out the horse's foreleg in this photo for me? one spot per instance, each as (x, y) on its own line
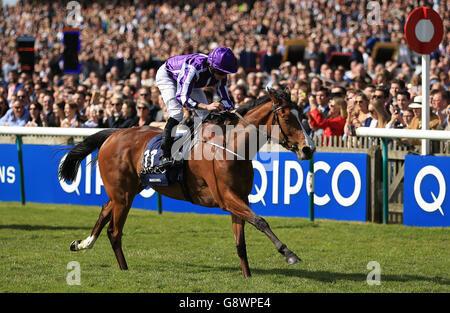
(119, 216)
(262, 225)
(241, 209)
(88, 243)
(238, 229)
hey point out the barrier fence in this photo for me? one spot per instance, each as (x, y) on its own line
(348, 178)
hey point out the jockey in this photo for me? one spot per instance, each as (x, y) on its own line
(180, 80)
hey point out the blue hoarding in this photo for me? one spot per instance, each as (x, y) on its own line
(426, 200)
(281, 185)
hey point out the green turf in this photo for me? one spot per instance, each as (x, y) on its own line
(176, 252)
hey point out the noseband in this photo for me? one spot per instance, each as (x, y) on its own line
(286, 143)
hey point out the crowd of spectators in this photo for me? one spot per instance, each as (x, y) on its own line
(124, 42)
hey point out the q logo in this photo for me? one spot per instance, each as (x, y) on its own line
(437, 201)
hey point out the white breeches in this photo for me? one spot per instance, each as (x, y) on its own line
(168, 88)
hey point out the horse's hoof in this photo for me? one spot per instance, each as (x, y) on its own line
(292, 259)
(74, 245)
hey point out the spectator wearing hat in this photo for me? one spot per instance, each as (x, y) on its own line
(416, 123)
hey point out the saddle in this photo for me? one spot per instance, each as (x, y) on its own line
(175, 172)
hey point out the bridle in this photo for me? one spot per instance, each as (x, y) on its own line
(285, 143)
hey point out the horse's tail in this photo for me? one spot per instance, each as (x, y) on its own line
(69, 167)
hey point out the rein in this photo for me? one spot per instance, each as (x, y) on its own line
(275, 121)
(285, 142)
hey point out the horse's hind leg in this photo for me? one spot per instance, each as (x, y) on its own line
(238, 229)
(88, 243)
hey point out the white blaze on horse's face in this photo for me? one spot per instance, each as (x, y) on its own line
(309, 143)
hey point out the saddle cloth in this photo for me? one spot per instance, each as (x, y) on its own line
(151, 158)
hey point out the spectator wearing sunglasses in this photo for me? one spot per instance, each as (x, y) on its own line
(23, 97)
(143, 111)
(116, 118)
(155, 113)
(18, 115)
(378, 113)
(382, 94)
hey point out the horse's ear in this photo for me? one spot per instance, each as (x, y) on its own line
(287, 90)
(272, 94)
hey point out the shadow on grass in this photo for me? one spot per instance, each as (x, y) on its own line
(41, 227)
(324, 276)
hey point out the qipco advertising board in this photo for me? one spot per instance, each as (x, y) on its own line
(281, 184)
(426, 201)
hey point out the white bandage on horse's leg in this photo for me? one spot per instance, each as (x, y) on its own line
(87, 243)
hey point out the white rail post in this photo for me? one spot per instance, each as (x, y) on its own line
(425, 101)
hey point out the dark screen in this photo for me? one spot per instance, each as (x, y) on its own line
(71, 44)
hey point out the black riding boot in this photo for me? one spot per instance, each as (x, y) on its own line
(166, 144)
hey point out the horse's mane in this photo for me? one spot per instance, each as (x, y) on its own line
(243, 109)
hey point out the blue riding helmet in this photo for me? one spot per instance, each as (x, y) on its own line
(223, 59)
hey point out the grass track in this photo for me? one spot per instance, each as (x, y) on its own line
(176, 252)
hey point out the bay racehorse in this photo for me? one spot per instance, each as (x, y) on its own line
(218, 181)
